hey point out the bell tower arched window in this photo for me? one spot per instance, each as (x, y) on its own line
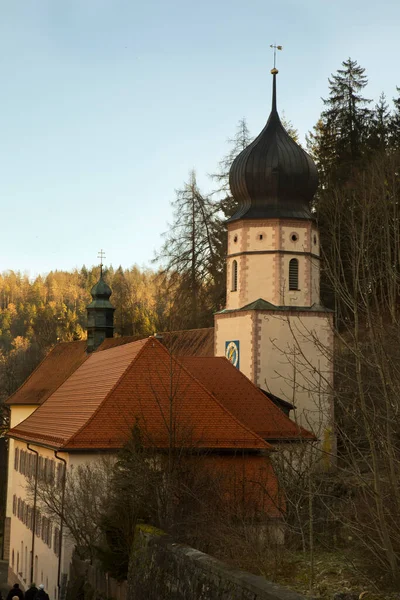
(234, 279)
(293, 274)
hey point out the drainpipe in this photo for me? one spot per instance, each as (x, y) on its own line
(34, 509)
(62, 519)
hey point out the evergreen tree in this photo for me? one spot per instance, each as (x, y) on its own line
(394, 125)
(346, 109)
(340, 138)
(380, 125)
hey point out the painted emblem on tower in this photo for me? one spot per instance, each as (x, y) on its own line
(232, 352)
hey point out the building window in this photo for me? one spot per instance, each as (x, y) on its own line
(16, 459)
(293, 274)
(294, 237)
(56, 544)
(234, 276)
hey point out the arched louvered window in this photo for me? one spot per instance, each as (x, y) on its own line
(234, 276)
(293, 274)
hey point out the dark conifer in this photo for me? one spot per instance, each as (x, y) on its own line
(394, 125)
(380, 125)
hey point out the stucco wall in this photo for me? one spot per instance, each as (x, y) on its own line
(45, 558)
(236, 327)
(18, 414)
(262, 250)
(294, 362)
(21, 536)
(160, 568)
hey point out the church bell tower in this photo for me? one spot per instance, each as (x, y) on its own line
(100, 314)
(274, 328)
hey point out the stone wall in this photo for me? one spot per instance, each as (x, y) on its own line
(160, 568)
(89, 582)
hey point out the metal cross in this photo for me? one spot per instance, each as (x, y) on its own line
(101, 255)
(275, 47)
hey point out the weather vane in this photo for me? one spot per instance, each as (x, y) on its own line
(275, 47)
(101, 255)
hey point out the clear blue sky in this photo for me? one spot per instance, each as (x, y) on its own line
(106, 106)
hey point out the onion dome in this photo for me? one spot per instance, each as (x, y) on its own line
(100, 293)
(273, 177)
(100, 315)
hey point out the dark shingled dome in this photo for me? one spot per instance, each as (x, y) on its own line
(100, 293)
(273, 177)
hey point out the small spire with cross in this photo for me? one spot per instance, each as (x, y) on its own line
(275, 47)
(101, 255)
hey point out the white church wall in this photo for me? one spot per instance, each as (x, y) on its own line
(236, 327)
(262, 250)
(294, 362)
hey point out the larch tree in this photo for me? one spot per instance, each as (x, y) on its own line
(188, 255)
(237, 143)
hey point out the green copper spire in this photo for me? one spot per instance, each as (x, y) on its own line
(100, 313)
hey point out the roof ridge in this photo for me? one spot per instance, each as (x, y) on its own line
(185, 330)
(146, 341)
(265, 444)
(259, 391)
(41, 363)
(268, 445)
(299, 427)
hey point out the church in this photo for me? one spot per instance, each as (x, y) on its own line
(259, 380)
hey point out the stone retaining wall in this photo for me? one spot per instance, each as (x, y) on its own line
(160, 568)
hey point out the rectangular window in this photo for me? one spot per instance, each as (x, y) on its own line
(38, 523)
(60, 474)
(16, 459)
(49, 534)
(15, 505)
(41, 468)
(293, 274)
(56, 541)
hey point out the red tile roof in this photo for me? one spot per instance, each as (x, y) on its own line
(66, 357)
(243, 399)
(54, 369)
(188, 342)
(74, 402)
(137, 383)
